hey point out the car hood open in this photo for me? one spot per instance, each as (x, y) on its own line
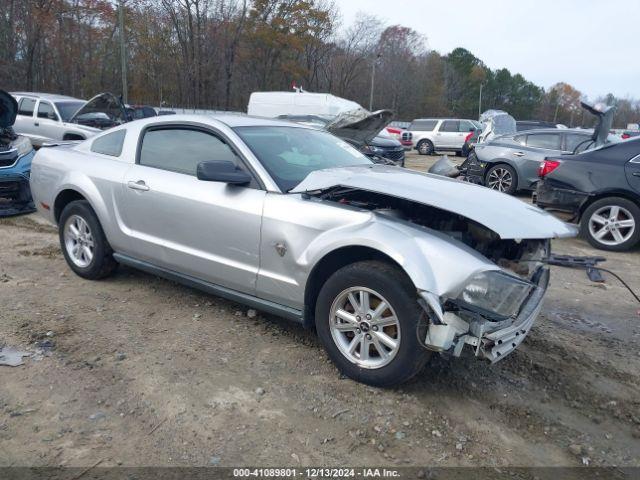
(360, 126)
(8, 109)
(104, 110)
(507, 216)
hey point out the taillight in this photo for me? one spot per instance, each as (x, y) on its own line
(466, 139)
(547, 167)
(625, 136)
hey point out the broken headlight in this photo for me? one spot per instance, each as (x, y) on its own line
(495, 293)
(22, 145)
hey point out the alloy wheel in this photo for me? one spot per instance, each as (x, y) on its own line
(364, 327)
(78, 241)
(500, 179)
(425, 149)
(612, 225)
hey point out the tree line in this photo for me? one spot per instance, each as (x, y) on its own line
(213, 53)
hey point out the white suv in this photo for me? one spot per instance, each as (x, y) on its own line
(47, 117)
(432, 134)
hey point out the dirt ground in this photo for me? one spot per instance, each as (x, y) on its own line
(136, 370)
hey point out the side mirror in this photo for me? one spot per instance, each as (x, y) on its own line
(52, 116)
(222, 171)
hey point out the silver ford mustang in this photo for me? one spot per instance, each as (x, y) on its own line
(389, 265)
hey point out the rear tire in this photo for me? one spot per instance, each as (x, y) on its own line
(503, 178)
(374, 344)
(83, 243)
(425, 147)
(612, 224)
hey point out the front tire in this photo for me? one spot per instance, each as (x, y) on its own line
(611, 224)
(83, 242)
(503, 178)
(368, 319)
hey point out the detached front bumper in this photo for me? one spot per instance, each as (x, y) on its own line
(491, 340)
(474, 170)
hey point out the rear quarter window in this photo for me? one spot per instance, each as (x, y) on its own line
(26, 106)
(109, 144)
(549, 141)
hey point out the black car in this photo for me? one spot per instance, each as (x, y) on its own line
(362, 130)
(601, 188)
(385, 147)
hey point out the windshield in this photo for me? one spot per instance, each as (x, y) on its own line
(67, 109)
(290, 153)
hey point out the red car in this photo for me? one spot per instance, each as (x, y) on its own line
(403, 136)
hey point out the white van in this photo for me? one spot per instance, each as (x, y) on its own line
(276, 104)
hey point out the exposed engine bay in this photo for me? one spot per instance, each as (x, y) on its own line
(523, 257)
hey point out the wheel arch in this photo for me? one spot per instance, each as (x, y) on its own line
(333, 261)
(73, 136)
(606, 194)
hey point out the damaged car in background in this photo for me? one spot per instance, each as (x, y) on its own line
(16, 154)
(388, 265)
(508, 160)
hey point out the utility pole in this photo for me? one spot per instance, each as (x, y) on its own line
(373, 75)
(480, 101)
(123, 53)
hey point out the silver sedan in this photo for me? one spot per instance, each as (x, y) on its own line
(388, 265)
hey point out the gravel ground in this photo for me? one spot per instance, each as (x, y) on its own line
(136, 370)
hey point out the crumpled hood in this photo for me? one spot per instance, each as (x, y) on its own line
(507, 216)
(8, 109)
(359, 126)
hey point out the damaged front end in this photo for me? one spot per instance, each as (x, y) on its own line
(16, 154)
(493, 309)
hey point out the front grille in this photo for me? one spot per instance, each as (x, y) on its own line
(8, 157)
(394, 154)
(9, 189)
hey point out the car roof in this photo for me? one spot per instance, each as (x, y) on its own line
(230, 120)
(554, 130)
(46, 96)
(442, 118)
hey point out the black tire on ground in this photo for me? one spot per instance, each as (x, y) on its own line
(425, 147)
(510, 173)
(102, 264)
(633, 235)
(398, 290)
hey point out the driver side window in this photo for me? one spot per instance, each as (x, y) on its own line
(180, 149)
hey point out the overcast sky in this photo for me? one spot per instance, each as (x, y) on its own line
(592, 44)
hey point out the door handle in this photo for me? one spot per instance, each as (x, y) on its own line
(636, 174)
(139, 185)
(519, 154)
(37, 124)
